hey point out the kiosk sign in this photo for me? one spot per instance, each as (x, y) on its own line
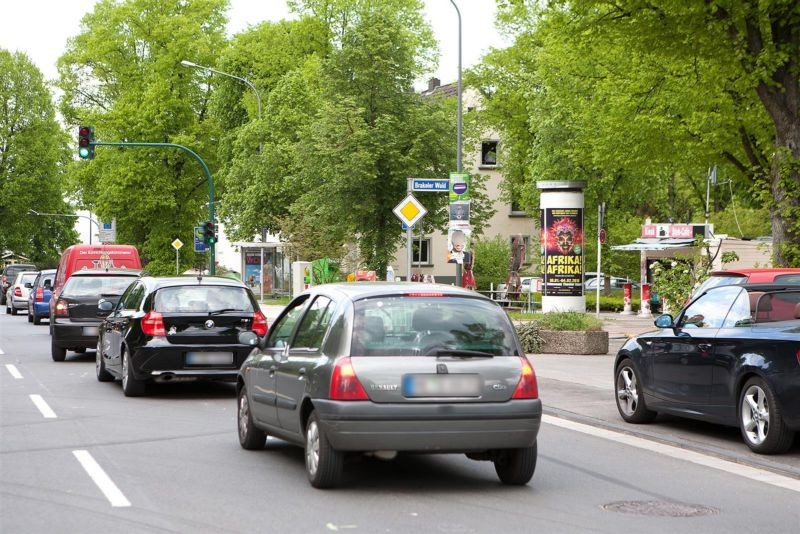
(562, 251)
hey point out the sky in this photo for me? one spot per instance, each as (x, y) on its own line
(40, 28)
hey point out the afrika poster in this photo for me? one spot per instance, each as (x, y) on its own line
(562, 251)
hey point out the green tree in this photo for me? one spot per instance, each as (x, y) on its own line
(123, 75)
(492, 259)
(32, 156)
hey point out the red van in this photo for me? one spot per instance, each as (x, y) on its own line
(81, 257)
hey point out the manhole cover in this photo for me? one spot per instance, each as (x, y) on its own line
(660, 508)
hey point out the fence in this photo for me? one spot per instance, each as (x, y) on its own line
(528, 302)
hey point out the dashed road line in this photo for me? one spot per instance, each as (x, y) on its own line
(1, 352)
(101, 479)
(727, 466)
(47, 412)
(14, 371)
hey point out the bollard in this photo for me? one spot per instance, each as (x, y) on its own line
(626, 299)
(644, 310)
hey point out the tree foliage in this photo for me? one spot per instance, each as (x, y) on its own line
(32, 158)
(122, 74)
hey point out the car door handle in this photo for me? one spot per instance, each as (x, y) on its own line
(301, 373)
(705, 347)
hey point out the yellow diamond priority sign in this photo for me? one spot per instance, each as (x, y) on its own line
(177, 244)
(410, 210)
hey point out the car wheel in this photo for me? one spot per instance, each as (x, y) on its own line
(100, 367)
(250, 437)
(761, 419)
(35, 319)
(324, 464)
(630, 399)
(515, 467)
(8, 310)
(59, 354)
(13, 310)
(131, 386)
(30, 316)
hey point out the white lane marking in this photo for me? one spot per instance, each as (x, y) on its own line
(728, 466)
(103, 481)
(1, 352)
(47, 412)
(13, 370)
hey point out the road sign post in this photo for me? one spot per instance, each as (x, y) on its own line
(177, 244)
(409, 211)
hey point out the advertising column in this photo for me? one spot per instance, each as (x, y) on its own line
(562, 245)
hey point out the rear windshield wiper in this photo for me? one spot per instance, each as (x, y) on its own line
(223, 310)
(462, 353)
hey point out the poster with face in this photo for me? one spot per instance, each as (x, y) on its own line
(459, 211)
(562, 246)
(458, 241)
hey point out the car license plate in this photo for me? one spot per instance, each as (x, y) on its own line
(90, 331)
(209, 358)
(441, 385)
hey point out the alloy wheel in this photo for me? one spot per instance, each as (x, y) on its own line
(627, 391)
(125, 372)
(244, 414)
(755, 415)
(312, 448)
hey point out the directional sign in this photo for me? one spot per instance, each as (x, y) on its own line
(410, 210)
(177, 244)
(435, 185)
(199, 246)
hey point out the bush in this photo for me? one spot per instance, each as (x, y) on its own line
(530, 337)
(569, 321)
(612, 303)
(491, 261)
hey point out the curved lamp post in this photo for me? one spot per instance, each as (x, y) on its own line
(191, 65)
(37, 214)
(459, 141)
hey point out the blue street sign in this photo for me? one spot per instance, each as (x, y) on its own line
(405, 226)
(199, 246)
(431, 185)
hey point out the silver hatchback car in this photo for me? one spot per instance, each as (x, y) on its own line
(386, 367)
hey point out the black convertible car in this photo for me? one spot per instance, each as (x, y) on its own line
(731, 356)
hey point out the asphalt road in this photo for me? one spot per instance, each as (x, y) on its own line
(83, 458)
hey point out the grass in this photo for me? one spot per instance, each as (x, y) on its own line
(278, 301)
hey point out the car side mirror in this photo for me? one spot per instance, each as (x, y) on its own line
(664, 321)
(28, 285)
(105, 305)
(48, 285)
(249, 338)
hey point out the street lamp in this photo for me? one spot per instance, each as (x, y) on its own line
(38, 214)
(191, 65)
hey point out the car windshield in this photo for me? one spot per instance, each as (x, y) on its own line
(406, 325)
(90, 286)
(202, 299)
(716, 281)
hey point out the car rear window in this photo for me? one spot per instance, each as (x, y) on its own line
(407, 325)
(715, 281)
(202, 299)
(28, 278)
(88, 286)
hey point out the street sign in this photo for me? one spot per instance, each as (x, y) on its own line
(107, 231)
(199, 246)
(177, 244)
(459, 186)
(410, 210)
(431, 185)
(602, 236)
(405, 227)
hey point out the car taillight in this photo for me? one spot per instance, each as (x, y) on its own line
(5, 280)
(153, 324)
(344, 382)
(424, 294)
(260, 324)
(526, 388)
(39, 294)
(62, 309)
(17, 292)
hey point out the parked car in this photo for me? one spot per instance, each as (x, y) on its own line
(17, 294)
(749, 276)
(75, 321)
(614, 283)
(9, 274)
(385, 367)
(87, 257)
(730, 357)
(177, 329)
(39, 296)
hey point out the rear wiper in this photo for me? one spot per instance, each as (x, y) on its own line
(223, 310)
(462, 353)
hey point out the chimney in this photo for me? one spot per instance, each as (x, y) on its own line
(433, 83)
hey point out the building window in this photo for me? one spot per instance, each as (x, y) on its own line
(421, 251)
(489, 153)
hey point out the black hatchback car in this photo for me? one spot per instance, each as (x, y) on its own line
(75, 322)
(177, 329)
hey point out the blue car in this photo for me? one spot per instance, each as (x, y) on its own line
(39, 298)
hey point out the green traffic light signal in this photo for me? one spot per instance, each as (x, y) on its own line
(209, 233)
(86, 142)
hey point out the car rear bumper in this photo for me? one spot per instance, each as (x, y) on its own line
(41, 309)
(163, 362)
(75, 335)
(19, 303)
(441, 427)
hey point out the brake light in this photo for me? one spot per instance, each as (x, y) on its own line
(424, 294)
(527, 387)
(153, 324)
(17, 292)
(260, 324)
(39, 295)
(344, 382)
(798, 356)
(62, 309)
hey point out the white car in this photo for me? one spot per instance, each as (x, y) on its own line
(616, 283)
(17, 294)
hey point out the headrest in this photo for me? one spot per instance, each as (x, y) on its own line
(797, 311)
(764, 304)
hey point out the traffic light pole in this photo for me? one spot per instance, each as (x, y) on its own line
(212, 246)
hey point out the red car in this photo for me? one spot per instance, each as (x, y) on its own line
(750, 276)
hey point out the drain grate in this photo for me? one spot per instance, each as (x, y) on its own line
(660, 508)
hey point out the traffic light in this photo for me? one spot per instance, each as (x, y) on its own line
(209, 233)
(86, 142)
